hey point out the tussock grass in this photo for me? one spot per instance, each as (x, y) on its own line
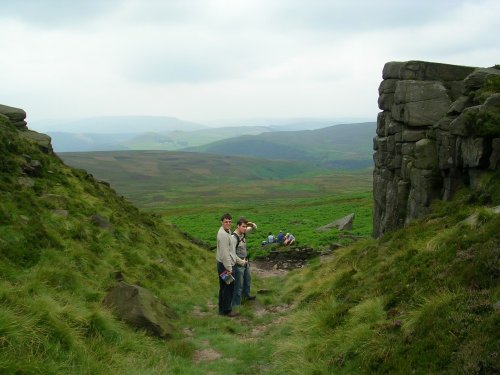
(419, 300)
(56, 268)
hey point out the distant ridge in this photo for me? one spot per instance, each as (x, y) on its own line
(337, 146)
(118, 124)
(113, 133)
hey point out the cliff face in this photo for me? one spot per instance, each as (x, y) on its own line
(439, 130)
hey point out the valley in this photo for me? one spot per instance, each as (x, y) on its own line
(192, 190)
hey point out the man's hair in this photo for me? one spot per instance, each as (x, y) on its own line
(242, 220)
(226, 216)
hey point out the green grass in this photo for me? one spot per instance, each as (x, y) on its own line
(192, 191)
(302, 218)
(423, 299)
(490, 87)
(55, 270)
(420, 300)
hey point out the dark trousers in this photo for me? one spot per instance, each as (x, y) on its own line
(225, 292)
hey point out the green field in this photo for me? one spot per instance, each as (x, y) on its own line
(301, 218)
(193, 190)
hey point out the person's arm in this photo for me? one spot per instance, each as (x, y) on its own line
(251, 227)
(239, 261)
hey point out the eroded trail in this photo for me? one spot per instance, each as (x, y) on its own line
(242, 344)
(263, 268)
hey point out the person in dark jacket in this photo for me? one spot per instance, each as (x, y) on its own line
(242, 276)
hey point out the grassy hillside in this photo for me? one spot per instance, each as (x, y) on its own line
(421, 300)
(338, 146)
(161, 178)
(179, 139)
(191, 189)
(56, 266)
(167, 140)
(63, 142)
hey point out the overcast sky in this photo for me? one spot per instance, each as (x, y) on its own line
(210, 60)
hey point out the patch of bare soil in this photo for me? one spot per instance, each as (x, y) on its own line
(261, 310)
(264, 268)
(206, 355)
(197, 312)
(279, 261)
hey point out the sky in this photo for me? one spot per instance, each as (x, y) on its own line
(214, 61)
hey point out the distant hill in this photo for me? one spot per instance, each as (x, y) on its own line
(67, 142)
(338, 146)
(117, 124)
(137, 174)
(179, 139)
(179, 167)
(156, 132)
(173, 140)
(289, 124)
(111, 133)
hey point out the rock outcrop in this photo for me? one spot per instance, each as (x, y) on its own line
(17, 117)
(439, 130)
(344, 223)
(140, 308)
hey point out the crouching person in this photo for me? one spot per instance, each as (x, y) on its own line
(241, 274)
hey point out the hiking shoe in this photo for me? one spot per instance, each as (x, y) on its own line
(232, 314)
(250, 298)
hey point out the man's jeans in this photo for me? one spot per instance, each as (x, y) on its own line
(225, 292)
(241, 283)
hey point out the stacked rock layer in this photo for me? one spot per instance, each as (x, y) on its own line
(17, 117)
(439, 130)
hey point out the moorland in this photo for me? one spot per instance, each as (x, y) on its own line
(422, 299)
(192, 190)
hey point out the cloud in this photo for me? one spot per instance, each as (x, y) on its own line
(356, 16)
(201, 59)
(53, 14)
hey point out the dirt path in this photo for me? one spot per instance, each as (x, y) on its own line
(261, 269)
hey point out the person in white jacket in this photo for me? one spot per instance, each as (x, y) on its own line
(226, 260)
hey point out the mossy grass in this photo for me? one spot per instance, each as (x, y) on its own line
(423, 299)
(414, 301)
(56, 267)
